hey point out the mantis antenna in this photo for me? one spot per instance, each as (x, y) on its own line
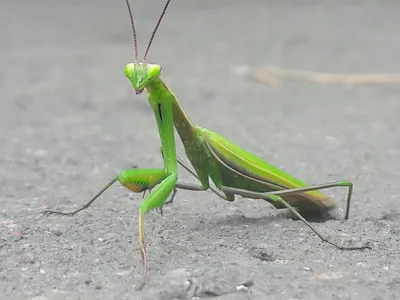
(155, 29)
(133, 30)
(135, 44)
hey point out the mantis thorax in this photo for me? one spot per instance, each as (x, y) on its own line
(141, 73)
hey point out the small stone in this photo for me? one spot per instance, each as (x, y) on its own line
(57, 232)
(362, 265)
(242, 288)
(261, 254)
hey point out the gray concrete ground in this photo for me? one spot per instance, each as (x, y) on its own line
(69, 121)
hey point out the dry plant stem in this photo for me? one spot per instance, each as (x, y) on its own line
(270, 74)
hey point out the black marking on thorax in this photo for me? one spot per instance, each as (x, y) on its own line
(160, 112)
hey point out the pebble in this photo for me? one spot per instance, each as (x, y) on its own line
(57, 232)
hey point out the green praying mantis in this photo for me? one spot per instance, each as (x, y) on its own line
(233, 170)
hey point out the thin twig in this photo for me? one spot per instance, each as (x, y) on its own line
(269, 75)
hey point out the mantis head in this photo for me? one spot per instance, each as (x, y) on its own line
(141, 73)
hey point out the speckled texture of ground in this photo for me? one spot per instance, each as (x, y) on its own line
(69, 121)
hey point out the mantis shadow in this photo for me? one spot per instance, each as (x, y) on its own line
(238, 220)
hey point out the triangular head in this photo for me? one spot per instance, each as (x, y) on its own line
(141, 73)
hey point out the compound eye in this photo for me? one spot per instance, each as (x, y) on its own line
(153, 71)
(129, 70)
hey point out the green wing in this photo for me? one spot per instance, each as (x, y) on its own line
(247, 166)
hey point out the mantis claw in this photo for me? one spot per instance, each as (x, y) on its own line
(166, 202)
(144, 192)
(171, 199)
(160, 209)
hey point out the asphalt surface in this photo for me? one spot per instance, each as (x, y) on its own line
(69, 122)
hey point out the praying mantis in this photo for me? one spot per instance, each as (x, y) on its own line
(233, 171)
